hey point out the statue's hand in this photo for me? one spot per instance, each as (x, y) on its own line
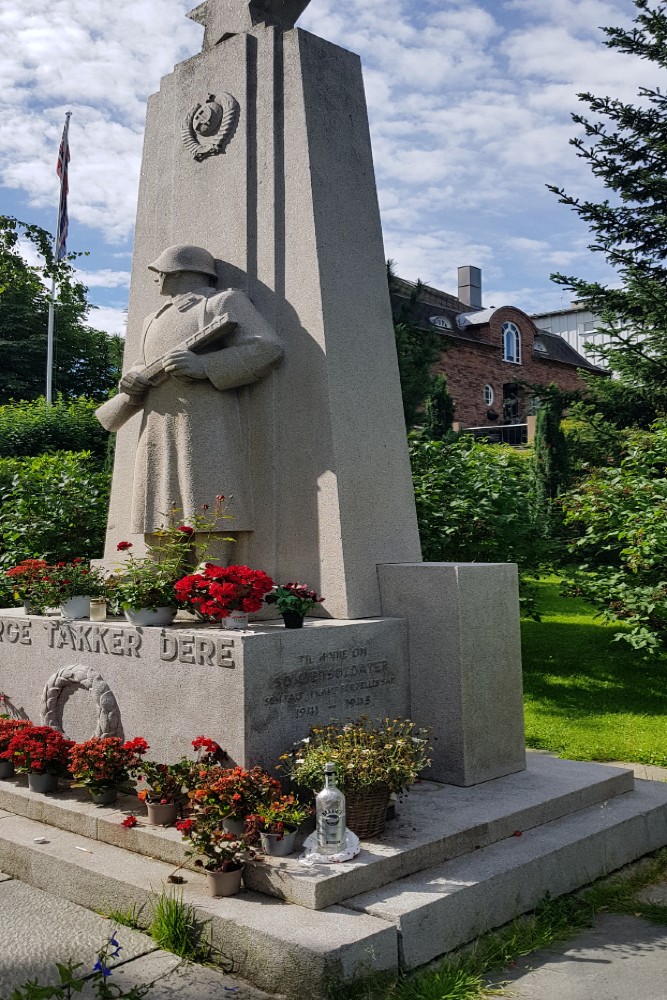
(185, 364)
(134, 384)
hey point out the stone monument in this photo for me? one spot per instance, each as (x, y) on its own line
(261, 365)
(258, 150)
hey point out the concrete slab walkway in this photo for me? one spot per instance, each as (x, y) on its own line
(37, 930)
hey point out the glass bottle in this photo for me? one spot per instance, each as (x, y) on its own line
(330, 815)
(98, 609)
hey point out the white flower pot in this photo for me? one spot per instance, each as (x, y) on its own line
(76, 607)
(236, 620)
(145, 616)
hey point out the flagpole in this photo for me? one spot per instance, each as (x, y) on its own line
(49, 344)
(59, 251)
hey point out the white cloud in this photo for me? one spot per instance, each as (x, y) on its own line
(111, 320)
(469, 102)
(104, 278)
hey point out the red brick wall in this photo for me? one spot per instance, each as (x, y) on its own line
(470, 366)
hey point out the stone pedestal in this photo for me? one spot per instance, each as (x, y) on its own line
(465, 663)
(256, 692)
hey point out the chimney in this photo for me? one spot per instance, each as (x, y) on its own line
(470, 286)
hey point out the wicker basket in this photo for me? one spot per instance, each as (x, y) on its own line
(366, 811)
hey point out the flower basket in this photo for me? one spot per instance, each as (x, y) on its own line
(366, 810)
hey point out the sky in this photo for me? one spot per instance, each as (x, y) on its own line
(469, 105)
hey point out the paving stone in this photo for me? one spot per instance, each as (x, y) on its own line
(183, 980)
(37, 930)
(619, 957)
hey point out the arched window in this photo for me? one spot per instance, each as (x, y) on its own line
(511, 343)
(488, 394)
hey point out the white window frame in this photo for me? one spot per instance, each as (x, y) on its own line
(488, 394)
(511, 343)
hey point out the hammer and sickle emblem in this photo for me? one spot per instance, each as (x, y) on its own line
(215, 120)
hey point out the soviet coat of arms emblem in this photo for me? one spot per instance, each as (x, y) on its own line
(209, 127)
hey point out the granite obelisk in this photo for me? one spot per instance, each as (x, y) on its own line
(258, 150)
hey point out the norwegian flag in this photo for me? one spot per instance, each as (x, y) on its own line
(62, 170)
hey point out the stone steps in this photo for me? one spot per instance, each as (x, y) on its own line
(437, 910)
(278, 945)
(435, 823)
(275, 945)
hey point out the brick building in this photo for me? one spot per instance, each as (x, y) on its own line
(489, 353)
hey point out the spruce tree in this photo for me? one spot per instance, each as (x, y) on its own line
(625, 145)
(438, 410)
(417, 352)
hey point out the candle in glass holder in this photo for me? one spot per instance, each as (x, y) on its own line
(98, 609)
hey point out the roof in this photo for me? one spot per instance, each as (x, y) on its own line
(459, 322)
(558, 349)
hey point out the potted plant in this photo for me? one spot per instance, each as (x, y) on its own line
(104, 764)
(226, 594)
(163, 794)
(372, 761)
(276, 824)
(222, 854)
(235, 793)
(143, 587)
(23, 577)
(8, 729)
(43, 753)
(294, 601)
(166, 783)
(69, 587)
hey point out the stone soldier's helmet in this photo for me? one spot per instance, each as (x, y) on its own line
(184, 257)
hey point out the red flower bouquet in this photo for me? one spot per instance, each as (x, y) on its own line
(105, 762)
(218, 590)
(9, 728)
(234, 793)
(39, 749)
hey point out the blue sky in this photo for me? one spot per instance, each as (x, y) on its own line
(469, 103)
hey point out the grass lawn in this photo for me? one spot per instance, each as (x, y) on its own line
(586, 697)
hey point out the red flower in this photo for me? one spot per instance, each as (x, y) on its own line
(185, 825)
(220, 497)
(122, 546)
(186, 529)
(138, 745)
(129, 822)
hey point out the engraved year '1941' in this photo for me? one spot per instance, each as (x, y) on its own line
(307, 710)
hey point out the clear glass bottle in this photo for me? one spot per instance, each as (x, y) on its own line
(330, 814)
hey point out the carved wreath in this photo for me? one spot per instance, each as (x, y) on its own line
(56, 693)
(215, 120)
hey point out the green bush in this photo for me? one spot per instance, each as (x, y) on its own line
(619, 536)
(473, 502)
(52, 507)
(33, 427)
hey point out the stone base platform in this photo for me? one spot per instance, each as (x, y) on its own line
(450, 867)
(255, 691)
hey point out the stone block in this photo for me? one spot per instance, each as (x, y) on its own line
(446, 906)
(465, 663)
(255, 691)
(435, 823)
